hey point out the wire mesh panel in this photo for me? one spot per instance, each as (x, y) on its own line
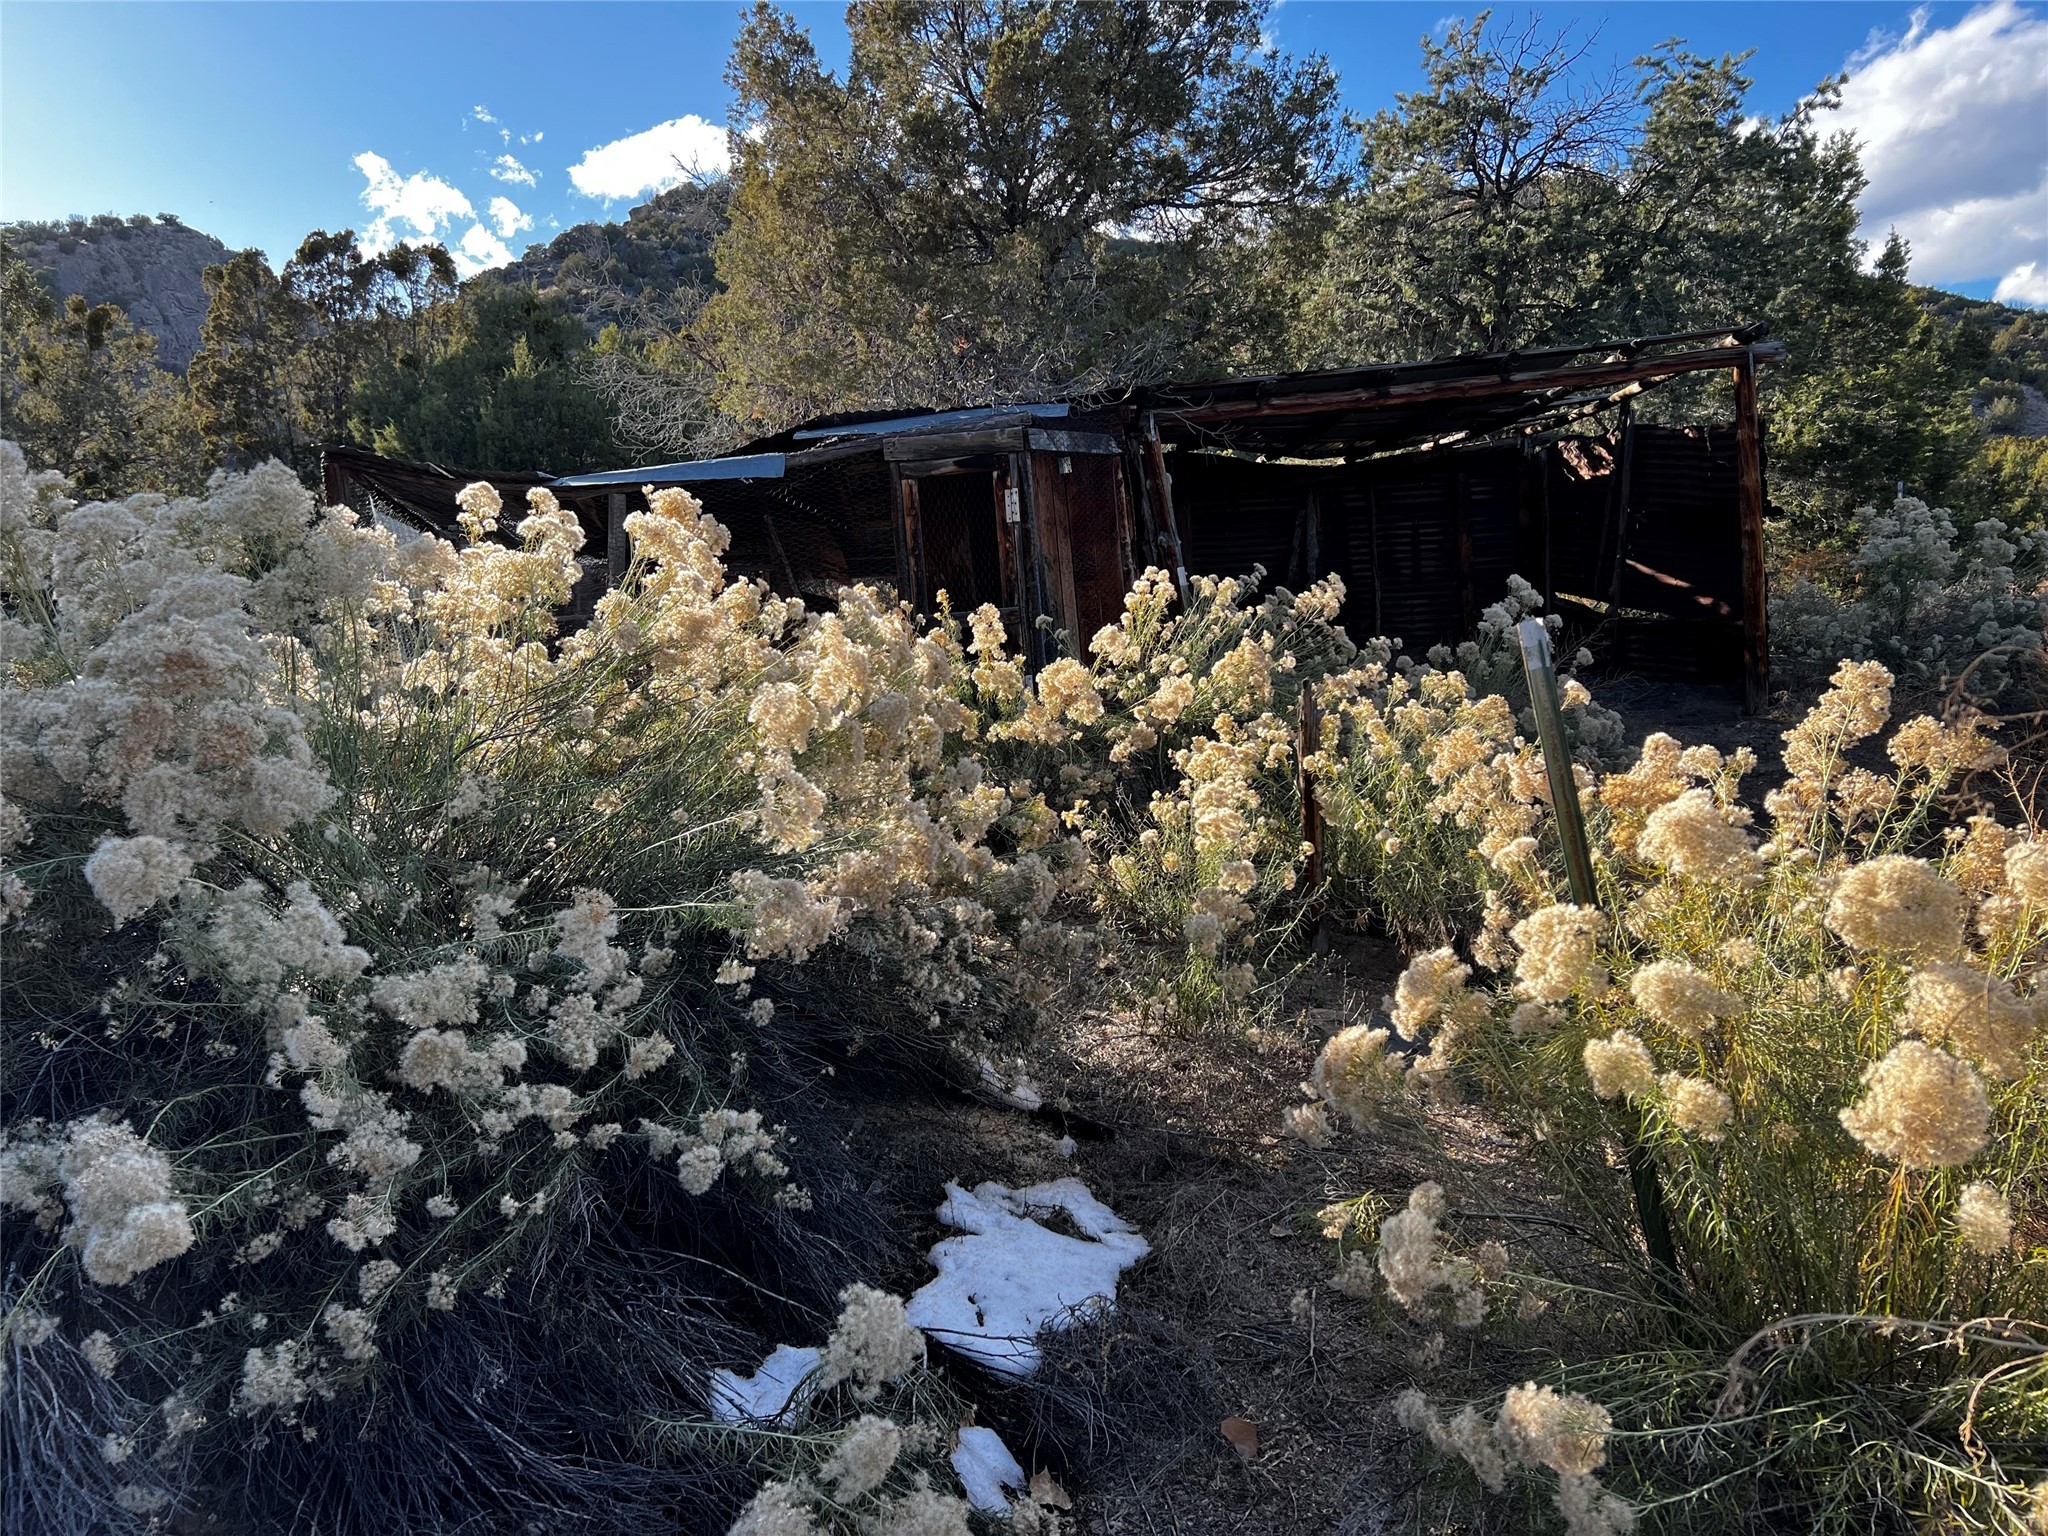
(958, 546)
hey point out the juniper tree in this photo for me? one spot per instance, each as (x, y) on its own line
(1000, 196)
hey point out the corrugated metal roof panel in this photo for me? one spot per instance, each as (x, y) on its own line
(753, 466)
(930, 420)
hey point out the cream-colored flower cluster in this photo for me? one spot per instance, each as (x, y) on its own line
(147, 642)
(1433, 795)
(862, 729)
(1190, 714)
(487, 611)
(1536, 1427)
(125, 1215)
(1412, 1263)
(1621, 1066)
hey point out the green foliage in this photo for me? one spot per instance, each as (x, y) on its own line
(1517, 202)
(282, 355)
(640, 274)
(1878, 403)
(80, 390)
(239, 375)
(941, 224)
(503, 388)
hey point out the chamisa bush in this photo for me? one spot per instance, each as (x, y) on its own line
(1938, 606)
(419, 1062)
(1791, 1085)
(417, 1023)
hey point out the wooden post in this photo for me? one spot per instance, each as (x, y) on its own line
(1031, 601)
(1372, 518)
(1749, 470)
(1135, 474)
(1312, 553)
(782, 555)
(909, 551)
(1162, 484)
(1308, 740)
(1461, 521)
(1532, 523)
(618, 544)
(1624, 475)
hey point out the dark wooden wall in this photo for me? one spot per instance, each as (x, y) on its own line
(1637, 533)
(1083, 526)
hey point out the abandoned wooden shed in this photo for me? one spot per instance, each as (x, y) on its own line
(1425, 485)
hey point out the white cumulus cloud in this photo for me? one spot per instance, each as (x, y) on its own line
(408, 208)
(422, 209)
(658, 158)
(507, 219)
(479, 249)
(2026, 284)
(508, 168)
(1953, 124)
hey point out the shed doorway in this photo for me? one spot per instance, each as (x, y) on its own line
(960, 542)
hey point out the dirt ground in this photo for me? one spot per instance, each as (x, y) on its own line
(1232, 1314)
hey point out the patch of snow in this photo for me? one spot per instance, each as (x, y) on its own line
(766, 1396)
(1064, 1146)
(1019, 1091)
(985, 1468)
(1011, 1276)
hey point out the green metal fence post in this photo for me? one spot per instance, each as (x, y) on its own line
(1540, 667)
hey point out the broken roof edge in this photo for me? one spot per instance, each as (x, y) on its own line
(348, 454)
(1375, 409)
(1468, 364)
(1180, 406)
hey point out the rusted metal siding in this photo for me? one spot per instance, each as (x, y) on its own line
(1240, 514)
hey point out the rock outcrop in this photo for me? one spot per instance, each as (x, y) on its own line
(150, 267)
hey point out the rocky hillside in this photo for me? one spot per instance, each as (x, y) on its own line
(645, 274)
(150, 267)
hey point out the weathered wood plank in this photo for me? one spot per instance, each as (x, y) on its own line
(1749, 470)
(1044, 440)
(947, 445)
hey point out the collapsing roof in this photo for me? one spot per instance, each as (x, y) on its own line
(1389, 406)
(417, 494)
(1424, 485)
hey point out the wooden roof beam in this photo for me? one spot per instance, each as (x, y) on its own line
(1547, 381)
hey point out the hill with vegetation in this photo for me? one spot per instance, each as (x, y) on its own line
(150, 268)
(637, 273)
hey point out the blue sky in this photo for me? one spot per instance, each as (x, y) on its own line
(491, 126)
